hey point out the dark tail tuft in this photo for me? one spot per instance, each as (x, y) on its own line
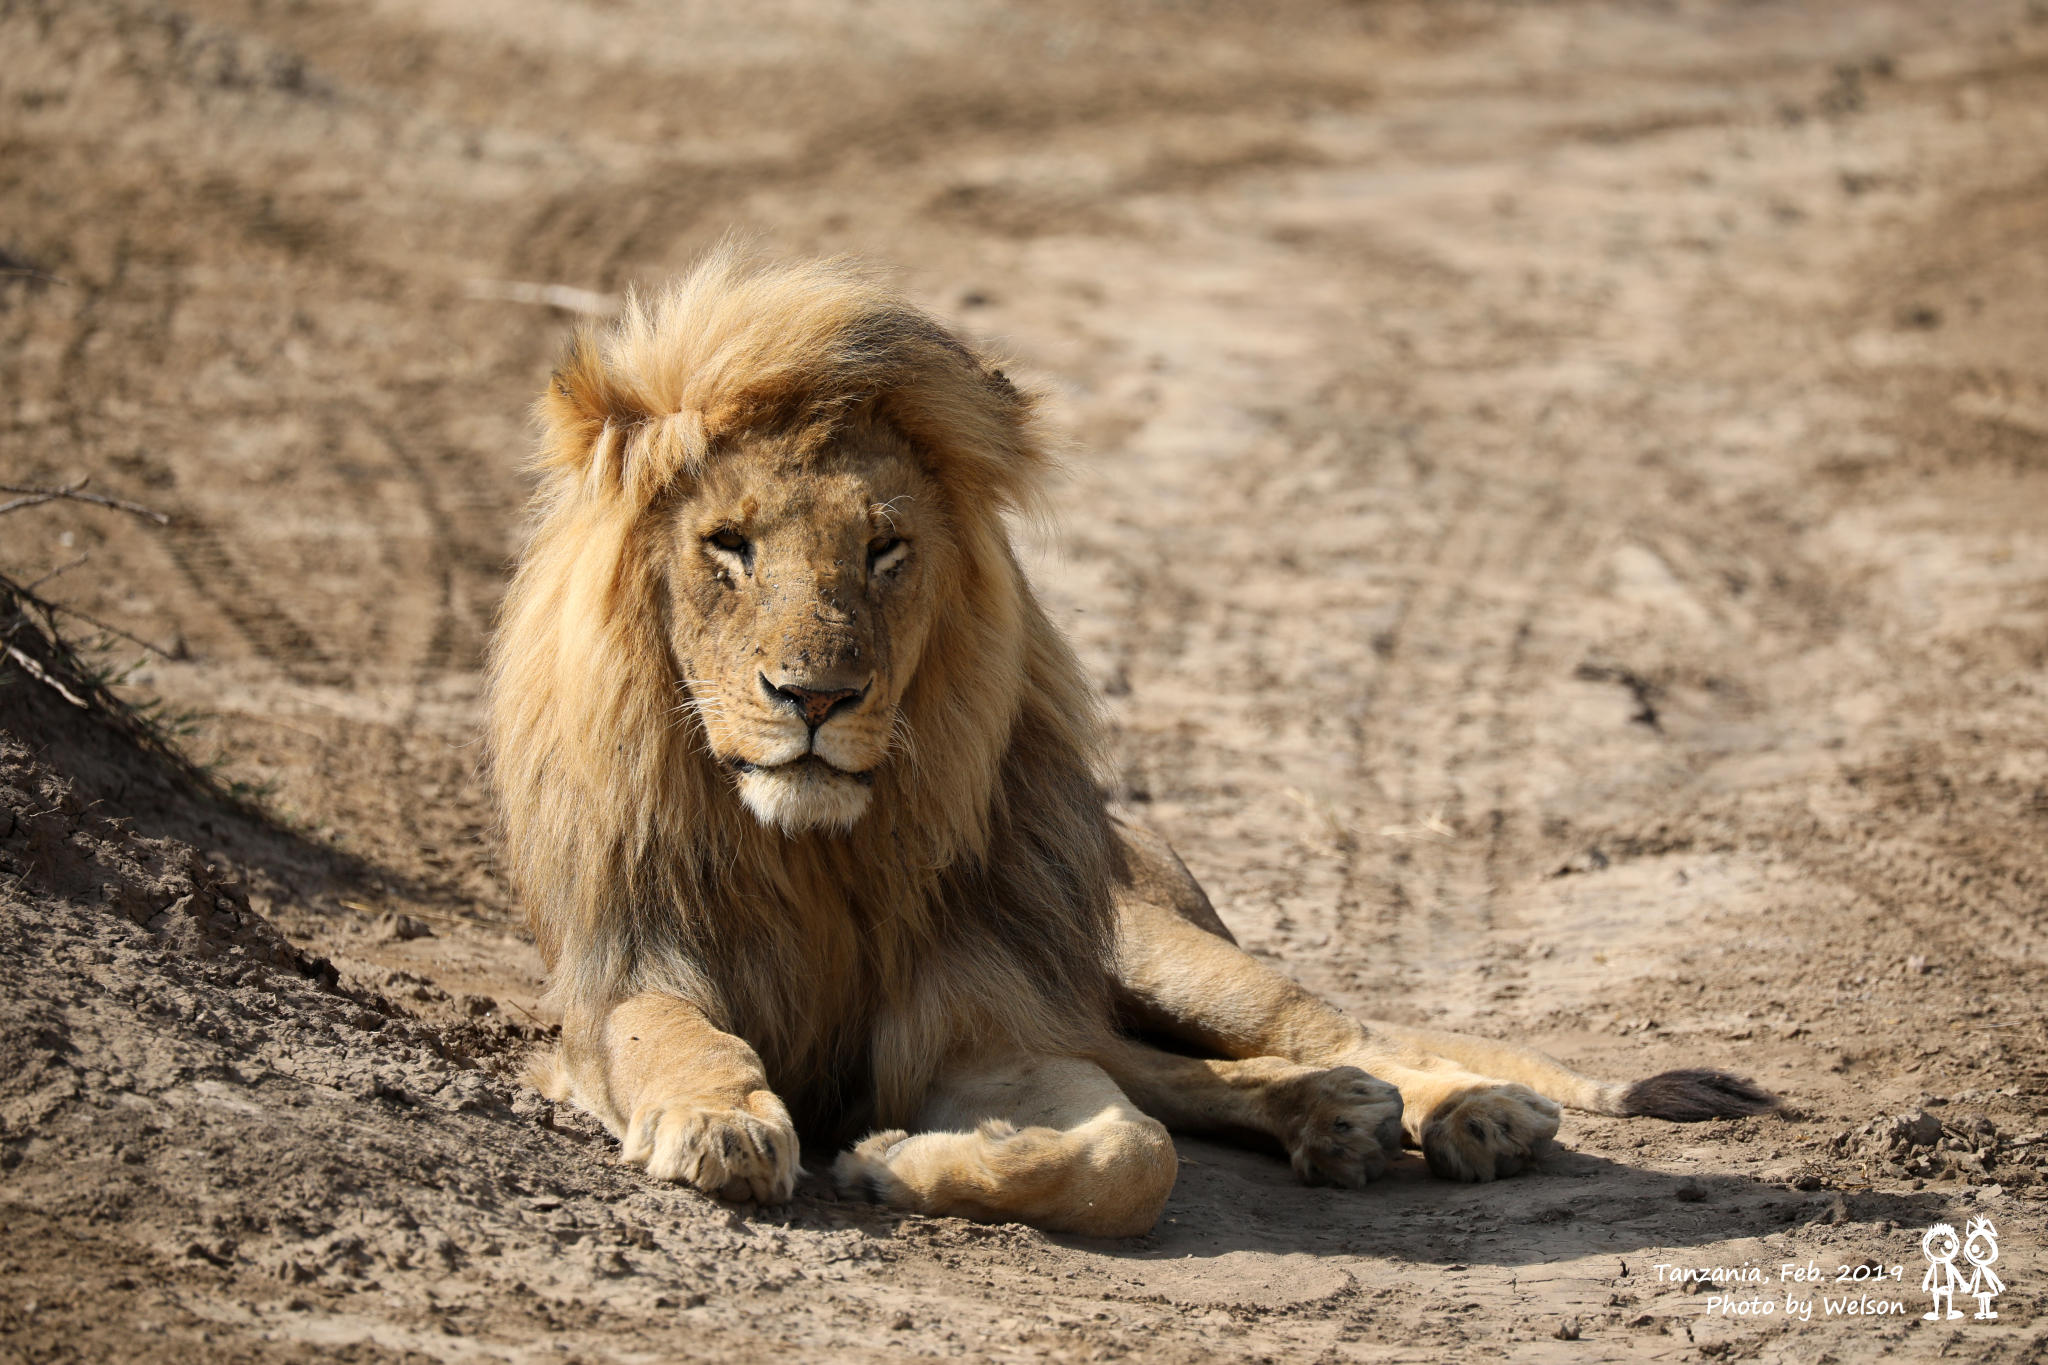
(1693, 1094)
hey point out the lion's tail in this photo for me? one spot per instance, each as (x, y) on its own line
(1683, 1096)
(1690, 1094)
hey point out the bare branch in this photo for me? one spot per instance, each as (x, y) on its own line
(60, 569)
(34, 495)
(47, 607)
(36, 671)
(566, 297)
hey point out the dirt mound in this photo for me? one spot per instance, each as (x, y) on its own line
(207, 1124)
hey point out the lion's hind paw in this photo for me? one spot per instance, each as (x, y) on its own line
(862, 1171)
(1488, 1132)
(1340, 1126)
(728, 1153)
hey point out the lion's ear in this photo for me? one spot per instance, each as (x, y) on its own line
(587, 421)
(574, 408)
(581, 386)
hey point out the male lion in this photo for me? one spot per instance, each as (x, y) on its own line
(797, 781)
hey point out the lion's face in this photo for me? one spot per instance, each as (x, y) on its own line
(797, 613)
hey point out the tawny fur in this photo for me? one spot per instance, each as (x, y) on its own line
(796, 782)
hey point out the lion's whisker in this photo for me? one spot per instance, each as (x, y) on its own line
(887, 510)
(901, 739)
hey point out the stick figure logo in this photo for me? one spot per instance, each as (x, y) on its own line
(1942, 1280)
(1980, 1248)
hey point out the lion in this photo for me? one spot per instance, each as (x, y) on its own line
(799, 784)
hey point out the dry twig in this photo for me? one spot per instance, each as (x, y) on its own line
(42, 675)
(60, 569)
(33, 496)
(47, 607)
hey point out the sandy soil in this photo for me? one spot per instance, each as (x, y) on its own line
(1560, 518)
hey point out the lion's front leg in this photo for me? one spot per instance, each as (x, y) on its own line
(1338, 1125)
(687, 1101)
(1049, 1141)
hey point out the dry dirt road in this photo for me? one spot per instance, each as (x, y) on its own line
(1560, 518)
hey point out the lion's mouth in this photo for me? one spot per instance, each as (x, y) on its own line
(806, 793)
(799, 765)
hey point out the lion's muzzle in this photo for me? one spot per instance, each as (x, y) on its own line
(808, 758)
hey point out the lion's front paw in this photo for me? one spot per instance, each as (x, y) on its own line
(1339, 1126)
(1487, 1132)
(748, 1153)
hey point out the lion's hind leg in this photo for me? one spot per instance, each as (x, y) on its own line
(1478, 1109)
(1682, 1096)
(1049, 1141)
(1180, 981)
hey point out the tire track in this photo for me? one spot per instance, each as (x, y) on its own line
(439, 652)
(216, 575)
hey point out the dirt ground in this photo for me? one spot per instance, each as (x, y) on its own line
(1559, 514)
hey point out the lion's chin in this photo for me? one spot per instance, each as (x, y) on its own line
(805, 795)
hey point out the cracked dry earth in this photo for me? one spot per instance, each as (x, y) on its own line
(1560, 519)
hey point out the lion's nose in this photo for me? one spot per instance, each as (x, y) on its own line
(818, 706)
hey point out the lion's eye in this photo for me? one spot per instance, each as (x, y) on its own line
(885, 553)
(730, 541)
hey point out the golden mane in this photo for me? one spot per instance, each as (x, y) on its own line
(971, 905)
